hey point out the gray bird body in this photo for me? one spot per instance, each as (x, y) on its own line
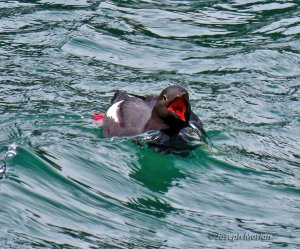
(132, 115)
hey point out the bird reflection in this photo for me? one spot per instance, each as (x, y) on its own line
(157, 172)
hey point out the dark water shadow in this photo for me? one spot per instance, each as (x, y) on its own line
(155, 166)
(158, 173)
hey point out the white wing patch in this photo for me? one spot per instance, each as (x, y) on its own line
(112, 112)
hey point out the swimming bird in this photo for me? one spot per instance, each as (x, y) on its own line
(169, 112)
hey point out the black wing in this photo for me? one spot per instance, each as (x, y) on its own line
(118, 96)
(122, 95)
(194, 120)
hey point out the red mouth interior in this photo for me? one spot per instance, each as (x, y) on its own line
(178, 106)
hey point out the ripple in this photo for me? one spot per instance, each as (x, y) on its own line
(271, 7)
(69, 3)
(280, 26)
(67, 186)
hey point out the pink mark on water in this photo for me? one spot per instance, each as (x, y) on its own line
(98, 117)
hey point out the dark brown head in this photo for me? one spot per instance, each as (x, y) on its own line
(173, 107)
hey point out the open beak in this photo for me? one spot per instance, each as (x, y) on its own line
(179, 106)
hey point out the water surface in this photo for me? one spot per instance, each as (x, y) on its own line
(66, 186)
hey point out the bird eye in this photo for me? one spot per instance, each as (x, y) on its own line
(164, 98)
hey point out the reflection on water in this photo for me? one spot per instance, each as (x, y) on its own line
(152, 206)
(156, 171)
(10, 153)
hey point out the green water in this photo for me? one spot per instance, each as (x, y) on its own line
(66, 186)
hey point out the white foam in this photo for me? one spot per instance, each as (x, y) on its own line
(112, 112)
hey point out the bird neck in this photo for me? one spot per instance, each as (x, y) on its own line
(155, 123)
